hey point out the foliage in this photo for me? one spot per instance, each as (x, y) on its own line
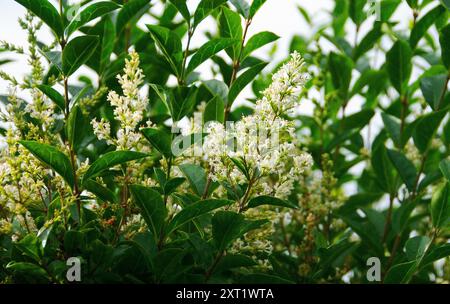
(91, 167)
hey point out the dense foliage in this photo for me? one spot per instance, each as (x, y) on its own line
(149, 171)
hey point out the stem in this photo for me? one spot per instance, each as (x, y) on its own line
(388, 217)
(246, 195)
(66, 116)
(416, 182)
(237, 64)
(210, 271)
(186, 54)
(404, 102)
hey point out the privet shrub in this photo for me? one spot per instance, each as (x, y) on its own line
(149, 171)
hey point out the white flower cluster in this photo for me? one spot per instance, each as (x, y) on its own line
(263, 143)
(128, 109)
(282, 95)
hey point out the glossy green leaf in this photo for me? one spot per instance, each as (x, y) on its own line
(193, 211)
(422, 25)
(169, 44)
(242, 7)
(100, 191)
(243, 80)
(110, 160)
(340, 67)
(269, 200)
(182, 9)
(426, 128)
(405, 168)
(433, 87)
(228, 226)
(255, 6)
(208, 50)
(159, 139)
(75, 124)
(152, 207)
(444, 165)
(257, 41)
(196, 176)
(77, 52)
(399, 66)
(91, 12)
(204, 8)
(53, 158)
(54, 96)
(214, 110)
(440, 206)
(444, 39)
(108, 39)
(130, 10)
(46, 12)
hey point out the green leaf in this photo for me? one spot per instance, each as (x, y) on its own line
(415, 247)
(341, 67)
(367, 43)
(399, 65)
(130, 10)
(242, 7)
(422, 25)
(196, 176)
(228, 226)
(231, 261)
(108, 39)
(30, 246)
(400, 273)
(444, 39)
(75, 126)
(230, 26)
(109, 160)
(55, 58)
(436, 253)
(159, 139)
(46, 12)
(243, 80)
(383, 169)
(404, 167)
(208, 50)
(182, 9)
(152, 206)
(90, 13)
(444, 165)
(195, 210)
(32, 272)
(269, 200)
(426, 129)
(256, 5)
(54, 96)
(433, 87)
(214, 110)
(53, 158)
(204, 8)
(100, 191)
(217, 88)
(172, 184)
(440, 206)
(169, 44)
(257, 41)
(356, 11)
(77, 52)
